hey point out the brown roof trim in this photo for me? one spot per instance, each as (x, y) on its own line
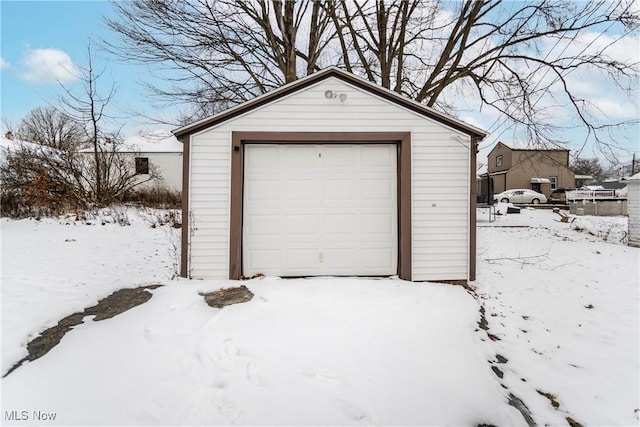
(317, 77)
(473, 187)
(505, 144)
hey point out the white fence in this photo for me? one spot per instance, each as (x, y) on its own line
(590, 194)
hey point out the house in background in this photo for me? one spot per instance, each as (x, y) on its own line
(330, 175)
(160, 150)
(513, 165)
(155, 151)
(619, 187)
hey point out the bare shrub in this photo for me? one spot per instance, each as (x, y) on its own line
(157, 197)
(40, 179)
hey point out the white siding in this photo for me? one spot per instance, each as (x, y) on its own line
(169, 167)
(633, 200)
(440, 174)
(167, 164)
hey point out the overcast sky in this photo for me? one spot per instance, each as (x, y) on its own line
(43, 41)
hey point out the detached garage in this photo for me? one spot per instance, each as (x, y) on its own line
(329, 175)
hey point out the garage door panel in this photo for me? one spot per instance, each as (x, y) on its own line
(340, 224)
(338, 189)
(300, 260)
(301, 189)
(382, 223)
(377, 156)
(264, 259)
(377, 189)
(339, 259)
(296, 225)
(337, 156)
(262, 189)
(320, 210)
(264, 157)
(296, 157)
(263, 225)
(381, 258)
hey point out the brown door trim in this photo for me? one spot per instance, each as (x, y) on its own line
(403, 141)
(472, 207)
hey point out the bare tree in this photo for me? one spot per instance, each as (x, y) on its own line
(49, 126)
(105, 171)
(590, 167)
(9, 127)
(89, 108)
(376, 37)
(51, 171)
(518, 58)
(220, 53)
(38, 179)
(507, 56)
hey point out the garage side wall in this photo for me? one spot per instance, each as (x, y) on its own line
(633, 197)
(440, 175)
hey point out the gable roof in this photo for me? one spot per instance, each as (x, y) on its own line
(158, 141)
(528, 146)
(324, 74)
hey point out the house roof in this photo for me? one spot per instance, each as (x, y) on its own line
(322, 75)
(532, 146)
(158, 141)
(8, 145)
(611, 185)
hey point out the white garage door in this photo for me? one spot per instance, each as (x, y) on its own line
(312, 210)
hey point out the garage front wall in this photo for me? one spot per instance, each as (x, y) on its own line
(440, 167)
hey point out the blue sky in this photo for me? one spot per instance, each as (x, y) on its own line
(41, 41)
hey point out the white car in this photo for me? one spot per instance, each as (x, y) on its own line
(519, 195)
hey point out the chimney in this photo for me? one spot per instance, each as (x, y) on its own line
(9, 135)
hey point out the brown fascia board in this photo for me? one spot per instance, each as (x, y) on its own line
(534, 148)
(525, 149)
(475, 133)
(539, 149)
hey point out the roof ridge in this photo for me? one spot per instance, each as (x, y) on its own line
(318, 76)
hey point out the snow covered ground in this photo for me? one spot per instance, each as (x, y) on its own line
(567, 317)
(325, 351)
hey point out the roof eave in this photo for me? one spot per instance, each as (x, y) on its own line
(476, 133)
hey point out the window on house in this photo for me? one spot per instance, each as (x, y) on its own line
(554, 182)
(498, 161)
(142, 165)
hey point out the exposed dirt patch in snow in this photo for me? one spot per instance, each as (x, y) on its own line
(229, 296)
(116, 303)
